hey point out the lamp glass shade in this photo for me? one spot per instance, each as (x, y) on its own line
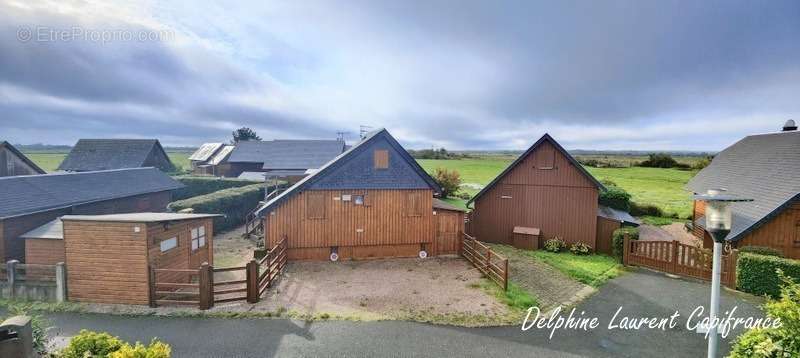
(718, 216)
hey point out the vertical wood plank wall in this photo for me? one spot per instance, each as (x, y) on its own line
(560, 201)
(44, 251)
(605, 233)
(180, 257)
(107, 262)
(449, 229)
(386, 230)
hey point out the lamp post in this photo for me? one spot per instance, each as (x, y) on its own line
(718, 224)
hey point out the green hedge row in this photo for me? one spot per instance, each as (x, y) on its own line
(756, 273)
(196, 185)
(618, 239)
(234, 203)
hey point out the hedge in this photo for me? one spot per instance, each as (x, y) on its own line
(756, 273)
(234, 203)
(618, 239)
(761, 250)
(615, 197)
(205, 185)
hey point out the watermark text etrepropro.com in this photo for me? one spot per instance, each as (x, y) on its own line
(78, 33)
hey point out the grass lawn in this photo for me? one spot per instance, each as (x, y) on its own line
(515, 298)
(593, 270)
(473, 171)
(49, 161)
(661, 187)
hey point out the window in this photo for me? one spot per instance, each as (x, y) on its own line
(545, 158)
(381, 157)
(315, 205)
(414, 204)
(358, 199)
(198, 237)
(169, 244)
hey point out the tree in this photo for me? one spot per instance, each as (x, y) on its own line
(244, 134)
(449, 180)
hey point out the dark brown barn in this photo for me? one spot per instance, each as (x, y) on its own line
(13, 162)
(372, 201)
(107, 154)
(28, 202)
(765, 168)
(545, 188)
(134, 242)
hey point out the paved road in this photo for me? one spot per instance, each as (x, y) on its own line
(640, 293)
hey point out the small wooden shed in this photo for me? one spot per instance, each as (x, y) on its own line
(108, 256)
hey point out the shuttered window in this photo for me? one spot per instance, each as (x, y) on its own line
(381, 157)
(414, 204)
(315, 205)
(545, 158)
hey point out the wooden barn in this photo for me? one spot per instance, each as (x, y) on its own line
(545, 189)
(107, 154)
(108, 256)
(765, 168)
(13, 162)
(372, 201)
(28, 202)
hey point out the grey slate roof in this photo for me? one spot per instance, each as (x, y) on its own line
(287, 154)
(106, 154)
(52, 230)
(765, 168)
(618, 215)
(139, 217)
(22, 195)
(545, 137)
(342, 159)
(205, 151)
(21, 156)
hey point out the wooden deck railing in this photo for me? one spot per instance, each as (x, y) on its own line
(679, 259)
(491, 264)
(271, 266)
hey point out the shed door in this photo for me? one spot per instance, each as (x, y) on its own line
(447, 232)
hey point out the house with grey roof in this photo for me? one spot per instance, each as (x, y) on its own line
(108, 154)
(765, 168)
(210, 158)
(13, 162)
(280, 158)
(28, 202)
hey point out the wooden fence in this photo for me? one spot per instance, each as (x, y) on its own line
(679, 259)
(494, 266)
(199, 287)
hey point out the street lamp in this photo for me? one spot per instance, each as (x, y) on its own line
(718, 224)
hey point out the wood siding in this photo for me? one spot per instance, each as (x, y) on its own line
(379, 228)
(605, 234)
(44, 251)
(449, 230)
(780, 233)
(107, 262)
(543, 191)
(181, 256)
(13, 248)
(12, 165)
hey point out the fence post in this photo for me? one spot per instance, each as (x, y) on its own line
(674, 256)
(252, 281)
(626, 248)
(11, 267)
(206, 276)
(488, 259)
(733, 261)
(152, 286)
(505, 275)
(61, 282)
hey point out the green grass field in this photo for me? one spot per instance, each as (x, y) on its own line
(50, 161)
(661, 187)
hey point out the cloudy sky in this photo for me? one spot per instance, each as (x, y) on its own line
(642, 75)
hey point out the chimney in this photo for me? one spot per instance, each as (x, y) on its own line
(789, 126)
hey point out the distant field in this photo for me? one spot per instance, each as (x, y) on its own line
(49, 161)
(660, 187)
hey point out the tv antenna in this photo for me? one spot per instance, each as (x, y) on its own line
(363, 130)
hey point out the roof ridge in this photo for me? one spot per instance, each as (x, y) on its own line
(76, 173)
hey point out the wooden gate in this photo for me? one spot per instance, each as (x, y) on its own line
(679, 259)
(449, 226)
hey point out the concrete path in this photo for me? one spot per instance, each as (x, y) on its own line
(640, 293)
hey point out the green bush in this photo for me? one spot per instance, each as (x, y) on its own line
(205, 185)
(580, 248)
(448, 180)
(234, 203)
(756, 273)
(761, 250)
(91, 344)
(618, 239)
(645, 210)
(615, 197)
(555, 244)
(774, 342)
(662, 160)
(156, 349)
